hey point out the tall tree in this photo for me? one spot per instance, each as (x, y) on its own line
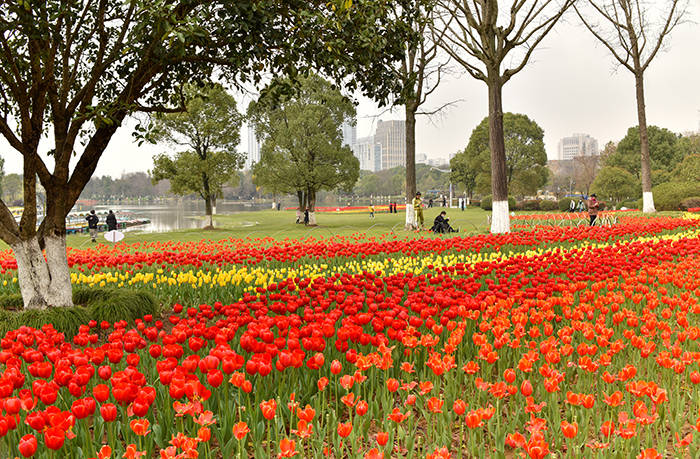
(12, 189)
(526, 159)
(492, 44)
(585, 170)
(210, 130)
(465, 170)
(615, 184)
(75, 69)
(626, 29)
(419, 73)
(662, 149)
(302, 151)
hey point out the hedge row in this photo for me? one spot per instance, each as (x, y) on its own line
(109, 305)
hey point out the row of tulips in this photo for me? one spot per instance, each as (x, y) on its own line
(209, 254)
(590, 351)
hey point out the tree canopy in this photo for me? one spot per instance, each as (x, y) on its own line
(302, 150)
(663, 152)
(210, 130)
(613, 183)
(72, 71)
(526, 159)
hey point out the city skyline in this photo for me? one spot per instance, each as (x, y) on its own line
(571, 85)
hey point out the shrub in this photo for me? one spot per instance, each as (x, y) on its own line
(668, 196)
(11, 301)
(123, 305)
(91, 304)
(487, 204)
(64, 320)
(630, 204)
(549, 205)
(532, 204)
(564, 204)
(690, 203)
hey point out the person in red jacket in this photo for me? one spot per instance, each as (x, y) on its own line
(593, 205)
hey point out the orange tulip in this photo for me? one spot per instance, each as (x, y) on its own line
(140, 426)
(344, 429)
(569, 429)
(287, 448)
(268, 408)
(240, 430)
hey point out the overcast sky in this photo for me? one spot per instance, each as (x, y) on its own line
(571, 85)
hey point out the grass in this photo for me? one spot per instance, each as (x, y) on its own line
(280, 225)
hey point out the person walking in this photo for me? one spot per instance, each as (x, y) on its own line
(593, 206)
(92, 225)
(371, 211)
(306, 216)
(430, 203)
(418, 209)
(111, 221)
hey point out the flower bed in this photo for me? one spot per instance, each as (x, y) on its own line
(561, 341)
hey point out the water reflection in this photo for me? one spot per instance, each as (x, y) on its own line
(176, 216)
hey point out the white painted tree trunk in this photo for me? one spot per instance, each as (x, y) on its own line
(648, 202)
(300, 216)
(500, 218)
(312, 218)
(43, 281)
(60, 290)
(410, 217)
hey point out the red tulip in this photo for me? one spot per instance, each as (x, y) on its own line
(27, 445)
(54, 438)
(336, 367)
(108, 411)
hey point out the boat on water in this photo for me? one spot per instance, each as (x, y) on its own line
(76, 223)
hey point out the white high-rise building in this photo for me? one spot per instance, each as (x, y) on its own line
(349, 134)
(254, 145)
(368, 153)
(391, 135)
(421, 158)
(577, 145)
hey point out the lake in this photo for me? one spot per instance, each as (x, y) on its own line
(177, 215)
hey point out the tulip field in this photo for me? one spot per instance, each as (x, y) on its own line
(550, 341)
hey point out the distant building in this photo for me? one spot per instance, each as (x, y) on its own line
(437, 162)
(577, 145)
(349, 134)
(391, 135)
(368, 153)
(421, 158)
(254, 145)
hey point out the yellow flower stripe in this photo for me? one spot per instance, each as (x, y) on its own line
(260, 276)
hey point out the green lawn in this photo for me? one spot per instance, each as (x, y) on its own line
(280, 225)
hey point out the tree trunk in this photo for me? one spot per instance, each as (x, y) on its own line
(500, 220)
(43, 282)
(300, 210)
(312, 207)
(208, 209)
(207, 199)
(647, 196)
(410, 165)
